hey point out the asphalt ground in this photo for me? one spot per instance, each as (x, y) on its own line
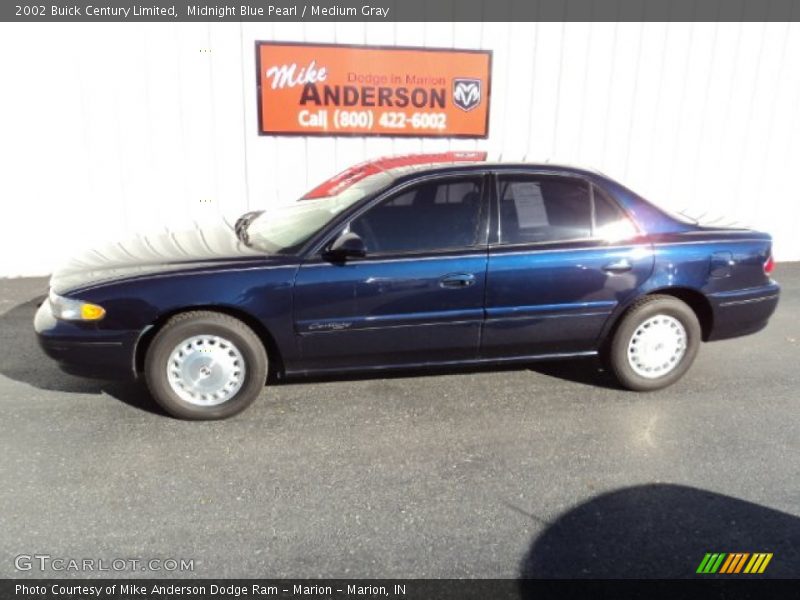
(548, 470)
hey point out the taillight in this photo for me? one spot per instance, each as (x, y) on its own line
(769, 265)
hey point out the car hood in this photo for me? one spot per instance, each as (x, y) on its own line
(153, 253)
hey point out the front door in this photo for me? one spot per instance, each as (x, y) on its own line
(416, 297)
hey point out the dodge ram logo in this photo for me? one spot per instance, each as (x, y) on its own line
(466, 93)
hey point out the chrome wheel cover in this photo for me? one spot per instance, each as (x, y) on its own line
(657, 346)
(206, 370)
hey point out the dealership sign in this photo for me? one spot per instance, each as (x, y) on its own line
(328, 89)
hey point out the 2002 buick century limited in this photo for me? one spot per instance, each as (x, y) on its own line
(408, 262)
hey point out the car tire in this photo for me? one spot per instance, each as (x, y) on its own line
(655, 343)
(204, 365)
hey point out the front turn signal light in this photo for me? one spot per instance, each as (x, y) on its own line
(92, 312)
(70, 309)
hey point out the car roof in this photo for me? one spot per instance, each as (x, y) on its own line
(444, 168)
(406, 167)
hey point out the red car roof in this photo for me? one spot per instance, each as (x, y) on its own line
(348, 177)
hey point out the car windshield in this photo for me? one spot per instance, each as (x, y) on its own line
(284, 229)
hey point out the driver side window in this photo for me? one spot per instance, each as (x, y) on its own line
(438, 215)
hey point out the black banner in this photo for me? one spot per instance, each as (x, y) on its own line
(400, 10)
(393, 589)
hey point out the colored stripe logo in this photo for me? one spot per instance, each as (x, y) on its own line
(734, 563)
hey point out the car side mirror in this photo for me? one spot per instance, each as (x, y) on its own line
(347, 245)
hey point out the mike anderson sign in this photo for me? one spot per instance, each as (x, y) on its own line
(328, 89)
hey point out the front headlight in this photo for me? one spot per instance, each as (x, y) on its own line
(75, 310)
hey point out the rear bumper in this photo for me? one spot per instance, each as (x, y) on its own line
(742, 312)
(83, 348)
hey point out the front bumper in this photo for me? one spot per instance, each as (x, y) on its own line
(85, 349)
(742, 312)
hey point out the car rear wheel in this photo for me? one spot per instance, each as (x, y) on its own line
(655, 344)
(205, 365)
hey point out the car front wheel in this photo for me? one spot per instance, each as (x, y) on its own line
(655, 344)
(205, 365)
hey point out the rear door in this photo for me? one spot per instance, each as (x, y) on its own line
(416, 297)
(562, 257)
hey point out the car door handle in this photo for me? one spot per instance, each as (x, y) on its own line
(457, 280)
(619, 266)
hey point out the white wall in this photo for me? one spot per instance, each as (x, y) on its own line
(107, 129)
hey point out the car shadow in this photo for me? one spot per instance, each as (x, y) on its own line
(659, 531)
(586, 371)
(25, 362)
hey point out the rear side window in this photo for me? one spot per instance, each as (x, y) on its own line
(434, 216)
(544, 209)
(610, 223)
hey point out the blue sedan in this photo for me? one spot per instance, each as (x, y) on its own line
(410, 262)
